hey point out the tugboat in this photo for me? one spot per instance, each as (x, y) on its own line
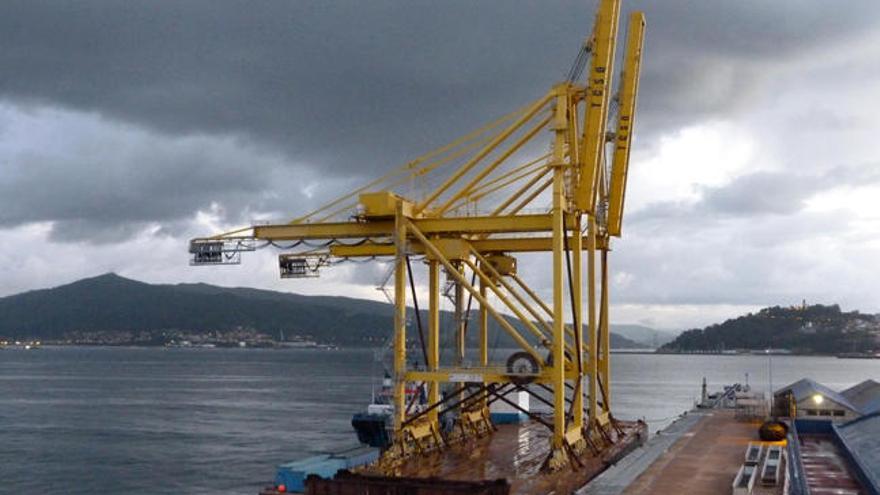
(374, 427)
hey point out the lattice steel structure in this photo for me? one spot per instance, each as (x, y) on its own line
(496, 193)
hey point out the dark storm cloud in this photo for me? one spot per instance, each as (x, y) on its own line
(359, 84)
(103, 182)
(331, 90)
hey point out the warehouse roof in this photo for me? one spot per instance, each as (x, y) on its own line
(860, 438)
(865, 396)
(806, 388)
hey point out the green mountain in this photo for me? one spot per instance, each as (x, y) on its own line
(121, 310)
(803, 329)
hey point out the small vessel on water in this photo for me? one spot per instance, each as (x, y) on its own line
(25, 346)
(859, 355)
(374, 426)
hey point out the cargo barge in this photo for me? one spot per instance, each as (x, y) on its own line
(509, 461)
(509, 456)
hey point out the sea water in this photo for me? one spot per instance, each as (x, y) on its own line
(139, 421)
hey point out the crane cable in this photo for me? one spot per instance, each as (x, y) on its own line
(411, 165)
(580, 62)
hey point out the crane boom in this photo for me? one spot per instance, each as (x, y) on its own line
(629, 89)
(597, 100)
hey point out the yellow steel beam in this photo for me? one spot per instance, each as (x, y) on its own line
(467, 188)
(410, 167)
(605, 334)
(484, 339)
(477, 375)
(512, 179)
(400, 318)
(385, 228)
(572, 138)
(452, 271)
(485, 224)
(484, 329)
(507, 175)
(531, 197)
(460, 375)
(597, 99)
(522, 190)
(464, 169)
(507, 302)
(499, 245)
(568, 329)
(415, 172)
(629, 89)
(433, 333)
(576, 253)
(497, 278)
(558, 349)
(593, 349)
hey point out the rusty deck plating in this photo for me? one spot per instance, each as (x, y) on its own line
(516, 453)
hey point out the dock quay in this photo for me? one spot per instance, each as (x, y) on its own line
(707, 450)
(699, 453)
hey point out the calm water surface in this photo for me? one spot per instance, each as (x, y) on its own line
(197, 421)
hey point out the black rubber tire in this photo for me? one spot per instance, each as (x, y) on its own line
(522, 362)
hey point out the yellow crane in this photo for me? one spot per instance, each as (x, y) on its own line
(482, 201)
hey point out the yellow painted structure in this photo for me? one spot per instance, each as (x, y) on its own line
(490, 201)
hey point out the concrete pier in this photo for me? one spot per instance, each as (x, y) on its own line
(699, 453)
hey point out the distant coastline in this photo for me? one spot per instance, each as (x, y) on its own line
(36, 345)
(803, 330)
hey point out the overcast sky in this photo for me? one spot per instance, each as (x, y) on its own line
(127, 128)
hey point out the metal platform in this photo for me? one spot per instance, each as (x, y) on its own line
(516, 452)
(706, 453)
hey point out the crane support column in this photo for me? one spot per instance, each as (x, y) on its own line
(460, 317)
(605, 362)
(592, 338)
(558, 368)
(399, 318)
(484, 335)
(577, 297)
(484, 329)
(433, 333)
(559, 457)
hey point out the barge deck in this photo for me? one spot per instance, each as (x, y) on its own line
(516, 452)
